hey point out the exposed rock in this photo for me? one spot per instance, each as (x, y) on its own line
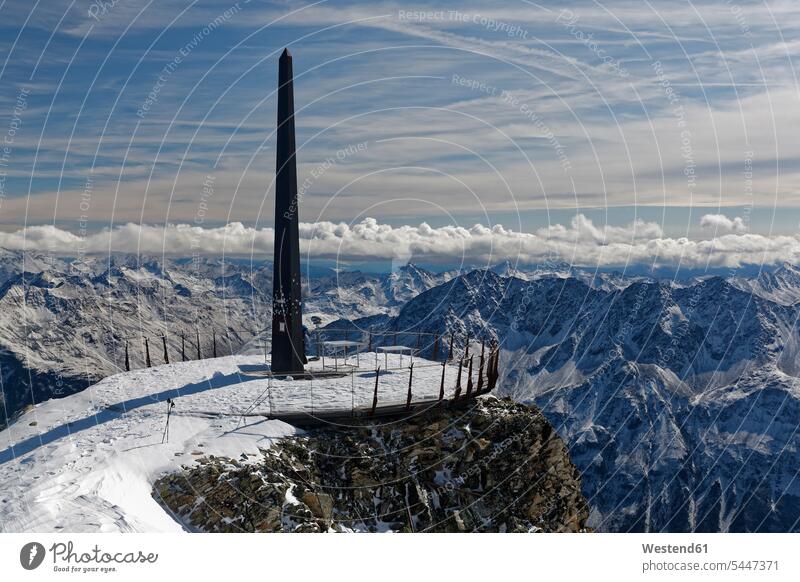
(320, 504)
(494, 466)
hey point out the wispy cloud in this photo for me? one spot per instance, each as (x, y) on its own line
(724, 105)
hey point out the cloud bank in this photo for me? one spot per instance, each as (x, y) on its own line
(579, 243)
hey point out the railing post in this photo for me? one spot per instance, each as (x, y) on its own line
(214, 342)
(457, 393)
(352, 391)
(450, 350)
(496, 365)
(469, 378)
(199, 355)
(466, 348)
(127, 358)
(166, 355)
(369, 340)
(410, 378)
(375, 395)
(480, 368)
(493, 368)
(147, 353)
(183, 346)
(441, 386)
(435, 350)
(496, 371)
(489, 365)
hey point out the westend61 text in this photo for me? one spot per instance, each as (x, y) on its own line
(675, 549)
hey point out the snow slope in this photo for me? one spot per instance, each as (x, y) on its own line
(87, 462)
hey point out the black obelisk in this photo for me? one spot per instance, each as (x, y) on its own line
(288, 345)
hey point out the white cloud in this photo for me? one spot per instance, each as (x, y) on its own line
(721, 223)
(581, 243)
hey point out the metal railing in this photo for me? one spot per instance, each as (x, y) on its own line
(166, 348)
(469, 366)
(475, 374)
(432, 346)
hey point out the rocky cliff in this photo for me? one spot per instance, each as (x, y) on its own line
(491, 465)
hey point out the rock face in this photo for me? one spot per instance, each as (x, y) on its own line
(491, 465)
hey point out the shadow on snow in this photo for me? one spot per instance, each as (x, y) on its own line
(115, 411)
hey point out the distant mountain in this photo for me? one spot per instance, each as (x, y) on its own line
(608, 280)
(349, 294)
(680, 403)
(67, 325)
(781, 285)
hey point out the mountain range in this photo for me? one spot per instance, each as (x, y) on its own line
(680, 402)
(678, 398)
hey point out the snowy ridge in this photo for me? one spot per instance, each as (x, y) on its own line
(87, 462)
(781, 285)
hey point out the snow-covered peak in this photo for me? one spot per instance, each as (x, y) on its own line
(781, 285)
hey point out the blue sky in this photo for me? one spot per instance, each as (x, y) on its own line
(517, 112)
